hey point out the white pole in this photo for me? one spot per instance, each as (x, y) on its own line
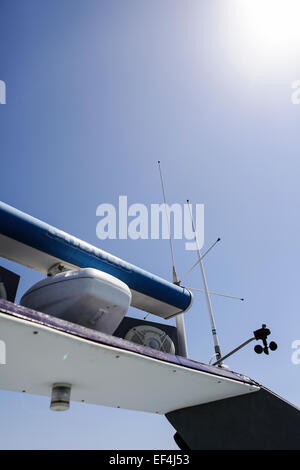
(175, 279)
(180, 327)
(210, 311)
(181, 336)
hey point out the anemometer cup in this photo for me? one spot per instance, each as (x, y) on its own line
(258, 349)
(273, 346)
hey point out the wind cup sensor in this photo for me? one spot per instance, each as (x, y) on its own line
(260, 334)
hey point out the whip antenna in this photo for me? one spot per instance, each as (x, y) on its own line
(215, 293)
(210, 311)
(175, 278)
(180, 326)
(197, 262)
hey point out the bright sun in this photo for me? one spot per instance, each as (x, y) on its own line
(264, 33)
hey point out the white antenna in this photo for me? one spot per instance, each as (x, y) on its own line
(175, 278)
(181, 334)
(197, 262)
(215, 293)
(210, 311)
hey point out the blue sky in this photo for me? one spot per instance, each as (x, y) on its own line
(97, 92)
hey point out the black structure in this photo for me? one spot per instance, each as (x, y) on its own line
(257, 421)
(9, 282)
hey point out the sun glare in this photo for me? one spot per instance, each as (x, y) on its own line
(264, 33)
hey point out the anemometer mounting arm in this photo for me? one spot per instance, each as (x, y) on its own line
(260, 334)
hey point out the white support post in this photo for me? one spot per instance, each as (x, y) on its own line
(207, 296)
